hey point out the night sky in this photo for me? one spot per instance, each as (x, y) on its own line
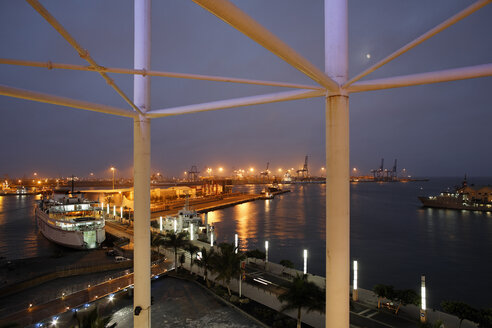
(434, 130)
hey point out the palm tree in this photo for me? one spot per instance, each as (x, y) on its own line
(205, 262)
(227, 263)
(406, 296)
(302, 293)
(157, 241)
(93, 320)
(383, 291)
(175, 240)
(192, 249)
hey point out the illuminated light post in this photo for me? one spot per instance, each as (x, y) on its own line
(355, 292)
(305, 256)
(191, 231)
(107, 208)
(236, 242)
(113, 169)
(121, 211)
(212, 239)
(175, 225)
(114, 210)
(423, 308)
(266, 251)
(160, 223)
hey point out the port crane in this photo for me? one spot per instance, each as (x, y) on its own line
(266, 172)
(304, 172)
(378, 173)
(193, 174)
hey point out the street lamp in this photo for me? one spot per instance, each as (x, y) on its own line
(305, 255)
(355, 293)
(423, 308)
(236, 242)
(113, 169)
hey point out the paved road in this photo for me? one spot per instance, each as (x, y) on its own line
(92, 293)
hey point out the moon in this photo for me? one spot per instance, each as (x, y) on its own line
(368, 56)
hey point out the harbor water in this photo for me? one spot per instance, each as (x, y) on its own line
(393, 238)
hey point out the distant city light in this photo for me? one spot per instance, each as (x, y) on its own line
(221, 169)
(251, 169)
(111, 296)
(280, 170)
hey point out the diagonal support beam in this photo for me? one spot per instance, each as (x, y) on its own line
(439, 28)
(238, 19)
(63, 101)
(455, 74)
(83, 53)
(237, 102)
(50, 65)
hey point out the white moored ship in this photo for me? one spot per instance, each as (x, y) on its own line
(71, 221)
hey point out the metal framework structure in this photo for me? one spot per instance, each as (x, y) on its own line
(333, 84)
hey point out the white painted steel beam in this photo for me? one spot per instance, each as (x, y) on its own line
(83, 53)
(454, 74)
(337, 169)
(51, 65)
(439, 28)
(63, 101)
(237, 102)
(141, 166)
(238, 19)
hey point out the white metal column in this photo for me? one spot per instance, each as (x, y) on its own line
(337, 168)
(141, 168)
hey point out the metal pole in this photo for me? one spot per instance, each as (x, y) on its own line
(337, 168)
(141, 173)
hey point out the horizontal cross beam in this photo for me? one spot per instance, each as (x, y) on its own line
(51, 65)
(63, 101)
(454, 74)
(237, 102)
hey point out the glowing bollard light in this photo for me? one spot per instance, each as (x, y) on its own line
(191, 231)
(212, 239)
(236, 242)
(355, 292)
(423, 309)
(160, 223)
(175, 225)
(102, 206)
(305, 255)
(121, 212)
(114, 210)
(266, 251)
(107, 208)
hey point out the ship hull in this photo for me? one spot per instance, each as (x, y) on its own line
(452, 204)
(71, 239)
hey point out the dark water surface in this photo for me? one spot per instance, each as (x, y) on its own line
(394, 239)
